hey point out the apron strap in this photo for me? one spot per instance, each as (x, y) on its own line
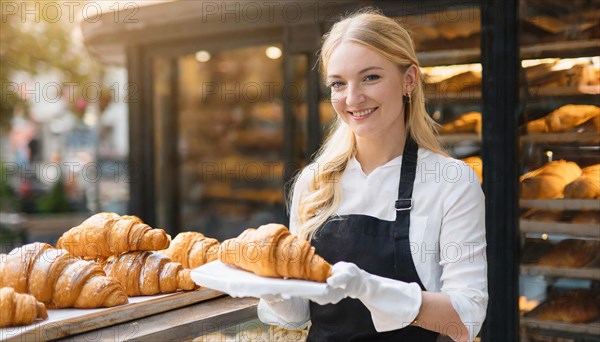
(403, 262)
(407, 177)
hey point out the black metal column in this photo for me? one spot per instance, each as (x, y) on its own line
(141, 139)
(500, 62)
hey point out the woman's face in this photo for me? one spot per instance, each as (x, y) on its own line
(366, 90)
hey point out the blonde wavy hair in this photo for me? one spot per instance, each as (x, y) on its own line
(372, 29)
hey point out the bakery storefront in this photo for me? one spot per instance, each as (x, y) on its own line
(226, 105)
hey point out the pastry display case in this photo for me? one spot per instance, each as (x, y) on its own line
(559, 137)
(559, 143)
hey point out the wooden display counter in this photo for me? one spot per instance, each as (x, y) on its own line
(170, 317)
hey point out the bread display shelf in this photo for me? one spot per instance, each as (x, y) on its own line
(562, 49)
(561, 204)
(562, 94)
(578, 273)
(574, 229)
(586, 137)
(592, 328)
(66, 322)
(451, 139)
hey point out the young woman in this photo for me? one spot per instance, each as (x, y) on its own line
(402, 222)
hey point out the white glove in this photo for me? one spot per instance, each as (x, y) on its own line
(293, 312)
(290, 313)
(393, 304)
(332, 296)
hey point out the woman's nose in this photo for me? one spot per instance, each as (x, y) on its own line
(354, 95)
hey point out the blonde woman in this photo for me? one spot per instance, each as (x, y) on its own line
(402, 222)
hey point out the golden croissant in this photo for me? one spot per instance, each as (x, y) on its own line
(19, 308)
(58, 279)
(467, 123)
(145, 273)
(563, 119)
(106, 234)
(272, 251)
(192, 249)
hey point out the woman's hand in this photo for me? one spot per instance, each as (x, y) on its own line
(393, 304)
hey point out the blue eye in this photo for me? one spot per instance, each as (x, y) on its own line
(372, 77)
(335, 84)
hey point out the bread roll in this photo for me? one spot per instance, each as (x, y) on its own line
(571, 253)
(549, 181)
(587, 185)
(575, 306)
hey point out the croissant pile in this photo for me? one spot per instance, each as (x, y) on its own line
(587, 185)
(192, 249)
(272, 251)
(58, 279)
(106, 234)
(563, 119)
(549, 181)
(18, 308)
(144, 273)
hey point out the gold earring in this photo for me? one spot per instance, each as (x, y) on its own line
(409, 97)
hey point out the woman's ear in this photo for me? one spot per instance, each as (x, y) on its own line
(411, 76)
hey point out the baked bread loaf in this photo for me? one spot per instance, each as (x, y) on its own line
(58, 279)
(106, 234)
(19, 308)
(574, 306)
(549, 181)
(192, 249)
(477, 165)
(587, 185)
(145, 273)
(571, 253)
(563, 119)
(466, 123)
(272, 251)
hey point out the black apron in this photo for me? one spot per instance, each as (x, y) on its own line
(378, 247)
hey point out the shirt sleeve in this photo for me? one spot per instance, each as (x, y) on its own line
(293, 313)
(463, 248)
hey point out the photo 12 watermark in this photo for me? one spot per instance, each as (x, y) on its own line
(70, 11)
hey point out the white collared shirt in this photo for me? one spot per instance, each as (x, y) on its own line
(447, 232)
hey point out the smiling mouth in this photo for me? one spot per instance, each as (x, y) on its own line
(362, 113)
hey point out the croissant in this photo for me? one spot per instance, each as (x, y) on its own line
(145, 273)
(549, 181)
(563, 119)
(58, 279)
(272, 251)
(587, 185)
(19, 308)
(106, 234)
(467, 123)
(192, 249)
